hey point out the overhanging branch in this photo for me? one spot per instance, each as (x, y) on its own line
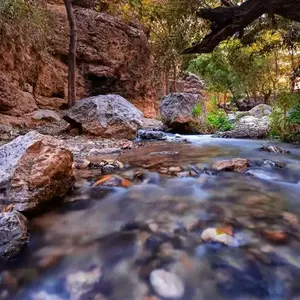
(226, 21)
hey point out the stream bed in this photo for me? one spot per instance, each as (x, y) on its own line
(178, 229)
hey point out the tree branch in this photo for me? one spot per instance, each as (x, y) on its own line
(226, 21)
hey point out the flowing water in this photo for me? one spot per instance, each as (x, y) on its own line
(146, 241)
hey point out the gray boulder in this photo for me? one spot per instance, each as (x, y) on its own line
(261, 110)
(106, 116)
(152, 135)
(34, 168)
(177, 112)
(13, 234)
(248, 127)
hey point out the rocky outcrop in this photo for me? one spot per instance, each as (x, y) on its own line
(106, 116)
(13, 234)
(252, 124)
(112, 56)
(34, 169)
(177, 112)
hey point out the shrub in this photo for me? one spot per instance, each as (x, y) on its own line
(285, 116)
(219, 120)
(197, 110)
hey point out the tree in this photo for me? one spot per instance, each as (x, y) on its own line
(231, 19)
(72, 54)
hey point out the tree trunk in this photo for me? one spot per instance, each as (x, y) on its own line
(226, 21)
(72, 54)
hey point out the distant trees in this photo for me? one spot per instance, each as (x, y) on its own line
(72, 54)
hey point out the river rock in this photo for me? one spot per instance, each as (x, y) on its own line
(239, 165)
(177, 112)
(106, 116)
(273, 149)
(167, 284)
(34, 168)
(151, 135)
(13, 233)
(246, 104)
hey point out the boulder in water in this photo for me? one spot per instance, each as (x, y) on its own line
(13, 234)
(177, 112)
(106, 116)
(153, 124)
(34, 168)
(239, 165)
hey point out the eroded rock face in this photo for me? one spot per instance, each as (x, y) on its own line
(106, 116)
(34, 169)
(13, 234)
(112, 56)
(177, 112)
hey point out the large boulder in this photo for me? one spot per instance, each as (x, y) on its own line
(260, 111)
(177, 112)
(249, 127)
(13, 234)
(34, 169)
(106, 116)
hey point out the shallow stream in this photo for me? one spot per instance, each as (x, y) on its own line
(145, 241)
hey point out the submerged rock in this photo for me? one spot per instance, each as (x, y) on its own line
(106, 116)
(167, 284)
(239, 165)
(13, 234)
(34, 168)
(177, 111)
(274, 149)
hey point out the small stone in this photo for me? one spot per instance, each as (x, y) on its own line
(239, 165)
(290, 218)
(178, 136)
(166, 284)
(175, 170)
(183, 174)
(163, 170)
(275, 236)
(82, 282)
(13, 234)
(273, 149)
(81, 164)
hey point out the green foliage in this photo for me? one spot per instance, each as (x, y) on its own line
(18, 19)
(197, 110)
(286, 116)
(218, 120)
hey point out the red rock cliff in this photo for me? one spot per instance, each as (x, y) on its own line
(112, 57)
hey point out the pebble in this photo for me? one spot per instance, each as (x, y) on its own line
(166, 284)
(275, 236)
(175, 170)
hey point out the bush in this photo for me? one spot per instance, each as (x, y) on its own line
(218, 120)
(197, 111)
(285, 116)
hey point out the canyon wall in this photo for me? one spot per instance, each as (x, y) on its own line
(112, 57)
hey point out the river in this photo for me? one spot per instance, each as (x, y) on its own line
(147, 241)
